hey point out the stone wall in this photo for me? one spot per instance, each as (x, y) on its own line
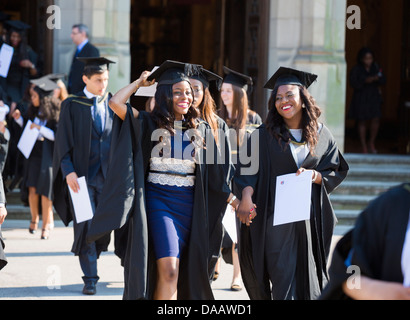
(109, 24)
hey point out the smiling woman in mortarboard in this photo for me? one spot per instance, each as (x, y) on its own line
(44, 113)
(290, 257)
(162, 190)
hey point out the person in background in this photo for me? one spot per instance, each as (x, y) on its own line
(44, 114)
(61, 91)
(23, 68)
(206, 105)
(366, 78)
(236, 112)
(84, 49)
(3, 210)
(372, 261)
(82, 148)
(288, 261)
(3, 28)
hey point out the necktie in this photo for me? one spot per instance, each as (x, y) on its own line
(98, 116)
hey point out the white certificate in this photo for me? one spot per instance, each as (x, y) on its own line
(28, 140)
(6, 55)
(292, 198)
(148, 91)
(229, 223)
(4, 110)
(81, 202)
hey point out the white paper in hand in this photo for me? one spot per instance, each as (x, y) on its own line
(28, 140)
(6, 55)
(4, 110)
(81, 202)
(292, 199)
(148, 91)
(229, 223)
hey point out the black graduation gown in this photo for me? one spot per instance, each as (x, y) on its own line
(3, 259)
(74, 137)
(3, 155)
(44, 182)
(216, 213)
(376, 242)
(292, 256)
(122, 208)
(253, 122)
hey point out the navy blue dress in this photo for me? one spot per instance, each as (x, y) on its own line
(170, 200)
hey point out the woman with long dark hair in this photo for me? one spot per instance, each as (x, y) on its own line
(44, 114)
(162, 181)
(242, 121)
(288, 261)
(206, 106)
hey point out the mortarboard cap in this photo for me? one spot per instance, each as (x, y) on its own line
(286, 76)
(17, 25)
(45, 84)
(238, 79)
(206, 76)
(56, 76)
(96, 63)
(171, 72)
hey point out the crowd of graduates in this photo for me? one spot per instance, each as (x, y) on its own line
(165, 205)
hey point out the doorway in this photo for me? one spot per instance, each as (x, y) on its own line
(39, 37)
(211, 33)
(385, 28)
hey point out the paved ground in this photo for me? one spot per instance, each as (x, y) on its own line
(47, 270)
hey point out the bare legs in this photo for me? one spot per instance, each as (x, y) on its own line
(167, 280)
(47, 212)
(236, 279)
(374, 129)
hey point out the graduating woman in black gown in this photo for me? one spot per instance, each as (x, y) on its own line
(242, 121)
(156, 200)
(44, 113)
(288, 261)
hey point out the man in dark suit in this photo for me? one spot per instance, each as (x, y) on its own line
(82, 147)
(79, 35)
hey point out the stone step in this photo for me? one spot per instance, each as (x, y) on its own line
(14, 197)
(21, 212)
(355, 158)
(347, 217)
(351, 187)
(393, 173)
(350, 202)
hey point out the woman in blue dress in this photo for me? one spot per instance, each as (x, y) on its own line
(172, 183)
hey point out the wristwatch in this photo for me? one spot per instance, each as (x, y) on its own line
(2, 205)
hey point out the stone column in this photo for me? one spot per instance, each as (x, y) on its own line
(310, 35)
(109, 24)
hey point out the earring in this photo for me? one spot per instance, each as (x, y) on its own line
(303, 106)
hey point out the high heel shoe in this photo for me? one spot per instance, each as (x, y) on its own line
(33, 230)
(45, 234)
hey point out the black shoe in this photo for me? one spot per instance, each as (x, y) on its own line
(90, 288)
